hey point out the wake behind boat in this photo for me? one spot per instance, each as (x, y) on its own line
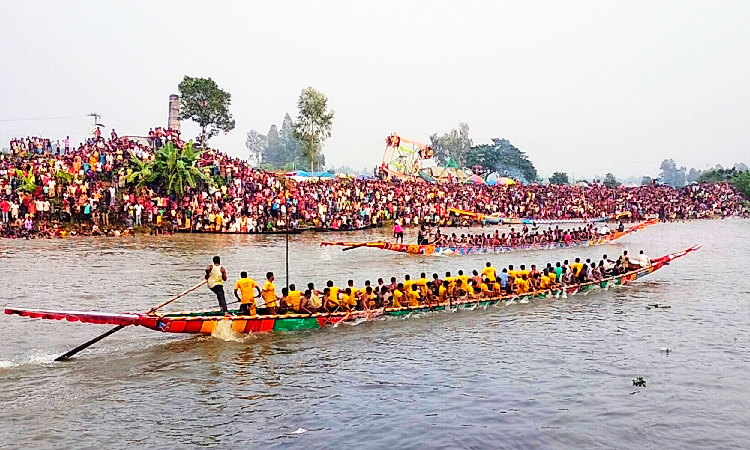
(206, 321)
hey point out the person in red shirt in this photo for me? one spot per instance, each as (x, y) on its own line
(4, 208)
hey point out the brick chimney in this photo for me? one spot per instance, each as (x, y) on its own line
(174, 112)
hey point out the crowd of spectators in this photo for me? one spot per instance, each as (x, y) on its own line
(53, 189)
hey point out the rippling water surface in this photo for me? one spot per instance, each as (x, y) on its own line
(547, 374)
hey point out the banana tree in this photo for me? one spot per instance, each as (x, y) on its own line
(28, 182)
(172, 169)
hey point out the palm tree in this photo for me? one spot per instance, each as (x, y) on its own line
(172, 169)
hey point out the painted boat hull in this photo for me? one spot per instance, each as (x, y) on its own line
(205, 322)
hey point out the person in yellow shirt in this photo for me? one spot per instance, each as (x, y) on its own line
(398, 296)
(246, 286)
(512, 273)
(523, 271)
(334, 291)
(576, 267)
(489, 272)
(443, 293)
(407, 284)
(353, 301)
(497, 289)
(269, 293)
(422, 285)
(346, 298)
(462, 281)
(413, 297)
(484, 288)
(522, 286)
(293, 301)
(331, 303)
(545, 282)
(451, 284)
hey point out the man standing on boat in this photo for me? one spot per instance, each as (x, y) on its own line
(215, 277)
(246, 286)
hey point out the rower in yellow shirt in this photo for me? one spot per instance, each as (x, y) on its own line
(522, 286)
(544, 281)
(484, 289)
(247, 301)
(462, 281)
(269, 293)
(489, 272)
(334, 291)
(497, 289)
(331, 303)
(443, 292)
(346, 298)
(413, 297)
(451, 283)
(421, 284)
(408, 282)
(398, 296)
(294, 300)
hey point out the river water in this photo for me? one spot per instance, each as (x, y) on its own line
(547, 374)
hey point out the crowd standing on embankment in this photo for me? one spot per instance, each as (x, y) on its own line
(56, 189)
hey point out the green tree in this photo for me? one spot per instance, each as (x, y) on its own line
(559, 178)
(273, 154)
(257, 144)
(314, 123)
(172, 169)
(671, 175)
(451, 145)
(610, 181)
(504, 158)
(742, 182)
(291, 150)
(693, 175)
(203, 102)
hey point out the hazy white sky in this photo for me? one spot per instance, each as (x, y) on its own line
(585, 87)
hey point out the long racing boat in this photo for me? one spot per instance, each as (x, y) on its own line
(207, 321)
(496, 219)
(432, 249)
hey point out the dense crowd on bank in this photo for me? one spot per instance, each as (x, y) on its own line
(53, 188)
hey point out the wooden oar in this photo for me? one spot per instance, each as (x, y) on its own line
(88, 344)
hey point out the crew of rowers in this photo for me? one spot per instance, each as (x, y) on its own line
(514, 238)
(424, 292)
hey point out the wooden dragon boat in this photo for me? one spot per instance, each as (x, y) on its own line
(431, 249)
(290, 231)
(205, 322)
(496, 219)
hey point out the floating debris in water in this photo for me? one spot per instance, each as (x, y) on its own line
(665, 350)
(639, 382)
(658, 306)
(299, 431)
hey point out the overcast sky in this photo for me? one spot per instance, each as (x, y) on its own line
(585, 87)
